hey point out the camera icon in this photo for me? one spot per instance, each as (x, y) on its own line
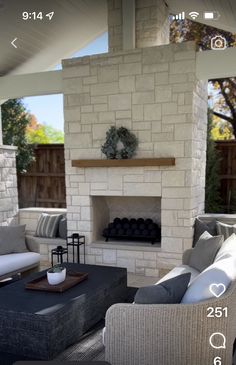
(218, 43)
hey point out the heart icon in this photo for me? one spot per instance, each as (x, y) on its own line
(217, 289)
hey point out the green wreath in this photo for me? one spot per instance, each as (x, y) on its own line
(120, 143)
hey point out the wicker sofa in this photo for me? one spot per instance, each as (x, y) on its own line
(23, 262)
(179, 334)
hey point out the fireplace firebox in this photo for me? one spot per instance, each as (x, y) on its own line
(133, 229)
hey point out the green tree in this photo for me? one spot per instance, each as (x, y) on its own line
(212, 195)
(37, 133)
(225, 106)
(201, 34)
(15, 120)
(54, 135)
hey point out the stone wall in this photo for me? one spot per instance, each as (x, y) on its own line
(154, 92)
(115, 24)
(8, 186)
(151, 24)
(0, 126)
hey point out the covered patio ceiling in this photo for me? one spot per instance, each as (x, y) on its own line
(43, 43)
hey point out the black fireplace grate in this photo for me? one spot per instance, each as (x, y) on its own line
(133, 230)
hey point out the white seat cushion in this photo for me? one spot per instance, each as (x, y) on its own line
(17, 261)
(178, 270)
(48, 241)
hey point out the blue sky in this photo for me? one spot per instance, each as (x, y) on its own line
(49, 109)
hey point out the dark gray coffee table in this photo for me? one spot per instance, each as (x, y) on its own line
(40, 325)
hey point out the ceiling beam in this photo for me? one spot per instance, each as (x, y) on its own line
(209, 65)
(216, 64)
(35, 84)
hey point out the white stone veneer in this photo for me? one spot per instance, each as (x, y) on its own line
(8, 186)
(154, 92)
(152, 26)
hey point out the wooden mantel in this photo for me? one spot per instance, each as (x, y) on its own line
(165, 161)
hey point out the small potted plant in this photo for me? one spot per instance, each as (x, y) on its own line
(56, 275)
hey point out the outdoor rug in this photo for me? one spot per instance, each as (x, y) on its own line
(90, 347)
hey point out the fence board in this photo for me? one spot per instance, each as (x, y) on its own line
(44, 183)
(228, 174)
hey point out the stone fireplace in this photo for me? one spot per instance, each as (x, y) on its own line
(153, 92)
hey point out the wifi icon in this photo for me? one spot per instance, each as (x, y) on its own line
(194, 14)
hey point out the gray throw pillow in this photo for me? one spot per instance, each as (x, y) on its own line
(63, 228)
(200, 227)
(167, 292)
(205, 251)
(12, 239)
(48, 225)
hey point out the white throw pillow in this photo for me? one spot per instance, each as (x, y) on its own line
(179, 270)
(222, 271)
(228, 248)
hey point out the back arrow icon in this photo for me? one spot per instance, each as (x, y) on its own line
(13, 42)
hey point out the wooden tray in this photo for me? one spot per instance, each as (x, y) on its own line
(72, 278)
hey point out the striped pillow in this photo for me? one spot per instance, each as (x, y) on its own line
(225, 230)
(48, 225)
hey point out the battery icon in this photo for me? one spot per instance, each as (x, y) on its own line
(211, 15)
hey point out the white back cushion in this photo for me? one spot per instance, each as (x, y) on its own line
(179, 270)
(222, 271)
(228, 248)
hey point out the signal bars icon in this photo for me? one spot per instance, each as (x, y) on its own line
(180, 16)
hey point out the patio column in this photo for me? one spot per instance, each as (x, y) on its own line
(137, 24)
(0, 126)
(8, 185)
(8, 182)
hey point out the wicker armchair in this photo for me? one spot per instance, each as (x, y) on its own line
(170, 334)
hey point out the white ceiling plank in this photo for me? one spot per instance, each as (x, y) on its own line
(41, 44)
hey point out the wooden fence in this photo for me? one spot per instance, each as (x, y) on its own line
(44, 183)
(228, 174)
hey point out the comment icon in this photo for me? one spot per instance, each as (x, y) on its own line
(217, 340)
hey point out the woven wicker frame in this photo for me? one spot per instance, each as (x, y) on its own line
(170, 334)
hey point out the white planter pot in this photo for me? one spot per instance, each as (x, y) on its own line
(55, 278)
